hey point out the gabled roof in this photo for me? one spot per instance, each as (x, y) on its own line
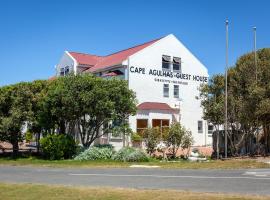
(101, 62)
(155, 106)
(85, 59)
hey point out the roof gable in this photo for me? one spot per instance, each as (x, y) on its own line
(85, 59)
(101, 62)
(155, 106)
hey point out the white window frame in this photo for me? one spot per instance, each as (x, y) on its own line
(176, 88)
(166, 87)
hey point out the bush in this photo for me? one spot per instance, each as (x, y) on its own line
(136, 137)
(128, 154)
(28, 136)
(109, 146)
(95, 153)
(55, 147)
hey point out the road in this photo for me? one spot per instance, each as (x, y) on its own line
(251, 181)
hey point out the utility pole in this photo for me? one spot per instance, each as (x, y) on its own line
(255, 53)
(226, 91)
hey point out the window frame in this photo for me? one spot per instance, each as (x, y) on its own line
(166, 88)
(174, 63)
(161, 124)
(141, 129)
(165, 59)
(176, 88)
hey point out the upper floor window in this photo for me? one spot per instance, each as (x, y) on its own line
(176, 64)
(176, 91)
(166, 90)
(64, 71)
(166, 62)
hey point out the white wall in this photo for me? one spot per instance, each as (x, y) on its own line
(149, 90)
(66, 60)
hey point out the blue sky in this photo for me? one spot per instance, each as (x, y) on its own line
(34, 34)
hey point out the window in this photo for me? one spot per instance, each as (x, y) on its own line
(210, 130)
(62, 72)
(200, 126)
(163, 124)
(176, 91)
(142, 124)
(166, 62)
(66, 70)
(166, 90)
(176, 64)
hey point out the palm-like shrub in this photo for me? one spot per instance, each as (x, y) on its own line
(95, 153)
(129, 154)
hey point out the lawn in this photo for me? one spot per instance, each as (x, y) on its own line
(42, 192)
(212, 164)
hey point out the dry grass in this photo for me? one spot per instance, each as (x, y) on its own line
(214, 164)
(45, 192)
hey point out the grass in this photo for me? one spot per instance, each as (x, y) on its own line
(44, 192)
(213, 164)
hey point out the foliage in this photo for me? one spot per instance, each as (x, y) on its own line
(28, 136)
(121, 127)
(152, 137)
(129, 154)
(177, 136)
(248, 103)
(95, 153)
(15, 110)
(60, 146)
(135, 137)
(87, 102)
(109, 146)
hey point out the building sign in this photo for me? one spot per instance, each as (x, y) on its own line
(168, 74)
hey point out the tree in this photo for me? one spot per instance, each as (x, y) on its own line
(152, 137)
(86, 104)
(35, 126)
(248, 103)
(177, 136)
(122, 129)
(212, 100)
(15, 111)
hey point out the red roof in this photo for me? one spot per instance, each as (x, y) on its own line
(110, 74)
(155, 106)
(100, 62)
(85, 59)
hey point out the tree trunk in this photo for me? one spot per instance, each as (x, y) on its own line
(37, 141)
(62, 127)
(217, 144)
(15, 145)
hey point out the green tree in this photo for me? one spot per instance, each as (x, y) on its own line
(15, 111)
(212, 101)
(177, 136)
(86, 104)
(152, 137)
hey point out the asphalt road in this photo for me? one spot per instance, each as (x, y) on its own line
(252, 181)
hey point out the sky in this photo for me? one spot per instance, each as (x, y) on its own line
(35, 34)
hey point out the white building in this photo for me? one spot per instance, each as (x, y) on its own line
(165, 76)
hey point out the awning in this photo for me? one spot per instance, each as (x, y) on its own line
(156, 106)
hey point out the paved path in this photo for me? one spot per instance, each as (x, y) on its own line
(252, 181)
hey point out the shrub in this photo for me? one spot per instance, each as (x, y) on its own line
(55, 147)
(95, 153)
(28, 136)
(136, 137)
(152, 139)
(128, 154)
(109, 146)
